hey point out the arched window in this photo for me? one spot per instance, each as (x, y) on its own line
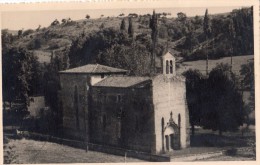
(171, 67)
(76, 106)
(167, 67)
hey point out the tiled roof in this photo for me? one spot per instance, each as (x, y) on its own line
(121, 81)
(94, 68)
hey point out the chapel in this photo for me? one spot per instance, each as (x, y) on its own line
(103, 105)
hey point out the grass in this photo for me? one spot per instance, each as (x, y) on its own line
(233, 145)
(31, 151)
(201, 64)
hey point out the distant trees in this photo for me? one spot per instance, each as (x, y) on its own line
(7, 39)
(223, 36)
(87, 16)
(38, 28)
(130, 28)
(121, 15)
(181, 16)
(20, 33)
(133, 15)
(64, 21)
(102, 25)
(35, 43)
(191, 40)
(27, 32)
(123, 25)
(55, 22)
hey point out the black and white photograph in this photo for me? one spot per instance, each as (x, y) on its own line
(132, 82)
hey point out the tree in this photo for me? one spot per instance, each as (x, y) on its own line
(231, 36)
(207, 30)
(17, 73)
(27, 32)
(154, 36)
(64, 21)
(102, 26)
(225, 110)
(194, 87)
(38, 28)
(87, 16)
(197, 22)
(181, 16)
(20, 32)
(130, 28)
(191, 41)
(121, 15)
(247, 83)
(123, 26)
(55, 22)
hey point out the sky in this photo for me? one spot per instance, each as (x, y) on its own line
(14, 20)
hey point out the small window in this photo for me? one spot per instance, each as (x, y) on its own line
(167, 67)
(171, 67)
(102, 75)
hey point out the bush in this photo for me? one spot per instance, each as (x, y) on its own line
(35, 44)
(231, 152)
(27, 32)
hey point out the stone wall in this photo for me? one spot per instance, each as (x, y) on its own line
(169, 95)
(72, 86)
(123, 117)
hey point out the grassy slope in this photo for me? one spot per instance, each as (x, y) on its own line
(201, 64)
(31, 151)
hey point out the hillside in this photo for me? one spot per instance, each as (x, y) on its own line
(201, 64)
(183, 34)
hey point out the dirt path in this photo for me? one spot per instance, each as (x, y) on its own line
(30, 151)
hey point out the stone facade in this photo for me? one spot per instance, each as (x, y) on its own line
(171, 113)
(147, 114)
(123, 117)
(74, 98)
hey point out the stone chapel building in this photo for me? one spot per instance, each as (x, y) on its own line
(105, 106)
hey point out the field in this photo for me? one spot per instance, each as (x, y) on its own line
(31, 151)
(206, 145)
(201, 64)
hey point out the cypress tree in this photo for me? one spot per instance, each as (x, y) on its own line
(154, 35)
(130, 28)
(206, 29)
(122, 26)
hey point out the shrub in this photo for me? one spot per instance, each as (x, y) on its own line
(231, 152)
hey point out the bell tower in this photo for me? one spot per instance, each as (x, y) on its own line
(168, 63)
